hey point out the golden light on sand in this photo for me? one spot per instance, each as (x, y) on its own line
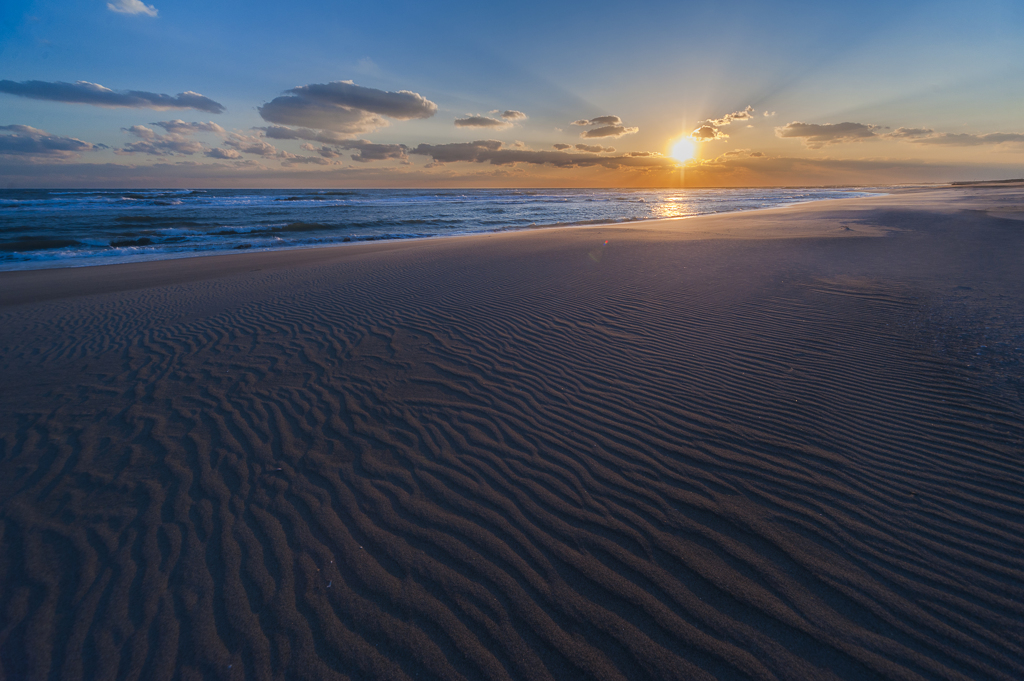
(683, 150)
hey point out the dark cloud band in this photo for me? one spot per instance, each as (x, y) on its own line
(84, 92)
(816, 135)
(26, 141)
(492, 151)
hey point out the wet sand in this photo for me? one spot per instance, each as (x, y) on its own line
(785, 444)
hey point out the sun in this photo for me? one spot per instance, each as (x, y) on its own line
(683, 150)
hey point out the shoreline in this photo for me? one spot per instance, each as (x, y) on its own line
(99, 260)
(168, 270)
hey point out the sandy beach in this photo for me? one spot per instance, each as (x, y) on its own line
(785, 444)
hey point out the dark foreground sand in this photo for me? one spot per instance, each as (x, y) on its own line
(778, 445)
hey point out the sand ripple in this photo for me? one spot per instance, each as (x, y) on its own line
(532, 465)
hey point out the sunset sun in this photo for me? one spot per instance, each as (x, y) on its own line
(683, 150)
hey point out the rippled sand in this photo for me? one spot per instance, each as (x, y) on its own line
(784, 444)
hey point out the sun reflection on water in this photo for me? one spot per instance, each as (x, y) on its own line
(677, 206)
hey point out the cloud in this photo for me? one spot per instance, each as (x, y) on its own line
(84, 92)
(159, 145)
(131, 7)
(593, 148)
(769, 115)
(562, 147)
(324, 151)
(401, 105)
(600, 120)
(909, 133)
(707, 133)
(223, 153)
(477, 121)
(252, 144)
(507, 120)
(815, 136)
(968, 140)
(282, 133)
(708, 130)
(176, 141)
(608, 131)
(368, 151)
(492, 151)
(293, 160)
(739, 153)
(180, 127)
(608, 126)
(744, 115)
(24, 140)
(311, 114)
(344, 107)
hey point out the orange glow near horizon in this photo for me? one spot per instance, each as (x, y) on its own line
(683, 150)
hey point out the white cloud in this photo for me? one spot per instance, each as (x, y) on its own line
(344, 107)
(131, 7)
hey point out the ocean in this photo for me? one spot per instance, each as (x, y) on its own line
(74, 228)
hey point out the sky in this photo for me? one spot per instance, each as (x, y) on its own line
(528, 94)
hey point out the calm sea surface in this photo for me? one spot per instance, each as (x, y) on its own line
(66, 228)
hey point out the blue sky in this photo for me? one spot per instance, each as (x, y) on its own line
(866, 93)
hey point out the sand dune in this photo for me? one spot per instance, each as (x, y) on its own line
(753, 446)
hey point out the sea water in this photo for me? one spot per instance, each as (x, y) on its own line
(73, 228)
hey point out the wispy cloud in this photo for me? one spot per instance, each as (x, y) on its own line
(493, 152)
(600, 120)
(507, 120)
(84, 92)
(595, 149)
(344, 107)
(968, 140)
(131, 7)
(180, 127)
(909, 133)
(815, 135)
(26, 141)
(177, 140)
(252, 144)
(478, 121)
(279, 132)
(154, 144)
